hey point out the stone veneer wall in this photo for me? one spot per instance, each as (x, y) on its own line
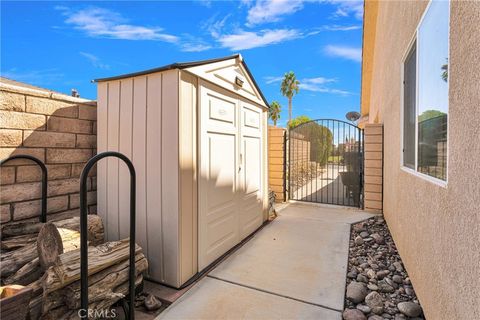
(59, 130)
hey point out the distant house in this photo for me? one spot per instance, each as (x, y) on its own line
(421, 80)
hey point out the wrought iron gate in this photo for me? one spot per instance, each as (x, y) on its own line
(325, 163)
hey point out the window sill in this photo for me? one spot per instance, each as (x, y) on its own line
(423, 176)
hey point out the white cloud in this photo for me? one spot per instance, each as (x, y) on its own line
(246, 3)
(304, 81)
(190, 43)
(99, 22)
(270, 79)
(346, 8)
(333, 28)
(316, 84)
(194, 47)
(319, 84)
(214, 26)
(318, 80)
(342, 28)
(265, 11)
(205, 3)
(321, 89)
(350, 53)
(262, 11)
(94, 60)
(103, 23)
(243, 40)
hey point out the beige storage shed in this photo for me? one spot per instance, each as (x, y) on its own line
(196, 133)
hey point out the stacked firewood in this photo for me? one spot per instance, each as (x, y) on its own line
(46, 257)
(108, 268)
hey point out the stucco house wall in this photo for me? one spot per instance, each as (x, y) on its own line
(436, 229)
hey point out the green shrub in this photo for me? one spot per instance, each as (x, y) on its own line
(320, 138)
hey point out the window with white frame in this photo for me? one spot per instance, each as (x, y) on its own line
(425, 94)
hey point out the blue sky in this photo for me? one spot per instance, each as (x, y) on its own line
(63, 45)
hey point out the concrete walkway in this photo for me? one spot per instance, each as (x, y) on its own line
(294, 268)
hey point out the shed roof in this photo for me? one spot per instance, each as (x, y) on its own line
(184, 65)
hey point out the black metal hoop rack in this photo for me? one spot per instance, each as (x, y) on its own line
(43, 215)
(84, 232)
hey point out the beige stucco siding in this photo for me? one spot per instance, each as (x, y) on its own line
(369, 31)
(436, 229)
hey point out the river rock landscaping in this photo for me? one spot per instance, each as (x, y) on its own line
(378, 286)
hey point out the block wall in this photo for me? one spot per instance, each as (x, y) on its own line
(373, 167)
(300, 150)
(60, 131)
(276, 147)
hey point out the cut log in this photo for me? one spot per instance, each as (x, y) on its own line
(49, 245)
(103, 282)
(52, 241)
(67, 268)
(95, 228)
(18, 241)
(29, 273)
(70, 239)
(14, 260)
(35, 307)
(61, 313)
(14, 301)
(52, 301)
(119, 292)
(101, 286)
(20, 228)
(36, 287)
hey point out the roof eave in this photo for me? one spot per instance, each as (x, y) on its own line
(185, 65)
(172, 66)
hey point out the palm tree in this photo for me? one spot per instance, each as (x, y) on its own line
(445, 71)
(274, 112)
(289, 87)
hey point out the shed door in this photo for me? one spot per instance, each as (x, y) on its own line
(251, 159)
(230, 162)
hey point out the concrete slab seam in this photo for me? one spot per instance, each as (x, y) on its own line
(275, 294)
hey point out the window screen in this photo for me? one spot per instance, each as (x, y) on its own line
(409, 108)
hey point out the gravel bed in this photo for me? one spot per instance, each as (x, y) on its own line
(378, 286)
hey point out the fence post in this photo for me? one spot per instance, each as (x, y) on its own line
(276, 162)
